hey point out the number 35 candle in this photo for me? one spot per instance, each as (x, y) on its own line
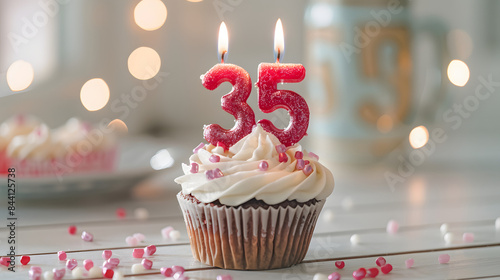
(269, 97)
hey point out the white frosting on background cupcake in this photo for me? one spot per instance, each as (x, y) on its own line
(14, 126)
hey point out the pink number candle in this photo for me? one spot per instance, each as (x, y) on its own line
(235, 102)
(271, 98)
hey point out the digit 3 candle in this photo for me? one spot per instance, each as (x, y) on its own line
(234, 102)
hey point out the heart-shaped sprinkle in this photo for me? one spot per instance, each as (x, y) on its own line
(71, 264)
(380, 261)
(386, 268)
(88, 264)
(340, 264)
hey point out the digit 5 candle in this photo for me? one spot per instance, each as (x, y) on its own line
(235, 102)
(271, 99)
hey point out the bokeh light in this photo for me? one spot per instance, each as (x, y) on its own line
(20, 75)
(458, 73)
(94, 94)
(118, 126)
(150, 14)
(144, 63)
(419, 136)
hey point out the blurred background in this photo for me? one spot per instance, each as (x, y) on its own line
(376, 70)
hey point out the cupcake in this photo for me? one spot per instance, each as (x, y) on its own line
(45, 152)
(254, 205)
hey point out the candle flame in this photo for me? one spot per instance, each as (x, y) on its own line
(223, 41)
(279, 41)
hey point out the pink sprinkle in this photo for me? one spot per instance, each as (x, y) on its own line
(138, 253)
(334, 276)
(25, 260)
(72, 230)
(107, 264)
(444, 258)
(131, 241)
(106, 254)
(222, 145)
(224, 277)
(307, 170)
(5, 261)
(281, 148)
(307, 162)
(178, 268)
(359, 274)
(283, 157)
(386, 268)
(61, 255)
(165, 232)
(194, 167)
(392, 227)
(71, 264)
(299, 155)
(380, 261)
(210, 174)
(87, 236)
(167, 271)
(195, 150)
(121, 213)
(58, 273)
(218, 173)
(107, 273)
(148, 264)
(313, 155)
(88, 264)
(409, 263)
(468, 237)
(150, 250)
(35, 273)
(263, 165)
(214, 158)
(300, 164)
(372, 272)
(114, 261)
(339, 264)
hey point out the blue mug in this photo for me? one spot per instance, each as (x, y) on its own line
(360, 76)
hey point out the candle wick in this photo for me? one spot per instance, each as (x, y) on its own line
(278, 56)
(222, 56)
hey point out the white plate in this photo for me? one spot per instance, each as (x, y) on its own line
(133, 165)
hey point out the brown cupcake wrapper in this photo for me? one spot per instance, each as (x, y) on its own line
(248, 238)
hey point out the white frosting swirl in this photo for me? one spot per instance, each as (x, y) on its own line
(14, 126)
(243, 180)
(37, 145)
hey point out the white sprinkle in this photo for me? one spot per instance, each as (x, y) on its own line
(137, 268)
(165, 232)
(448, 238)
(320, 276)
(77, 272)
(328, 215)
(174, 235)
(497, 224)
(118, 276)
(131, 241)
(443, 228)
(139, 236)
(48, 275)
(141, 213)
(392, 227)
(347, 203)
(95, 272)
(355, 239)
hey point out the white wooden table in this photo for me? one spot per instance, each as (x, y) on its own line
(465, 196)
